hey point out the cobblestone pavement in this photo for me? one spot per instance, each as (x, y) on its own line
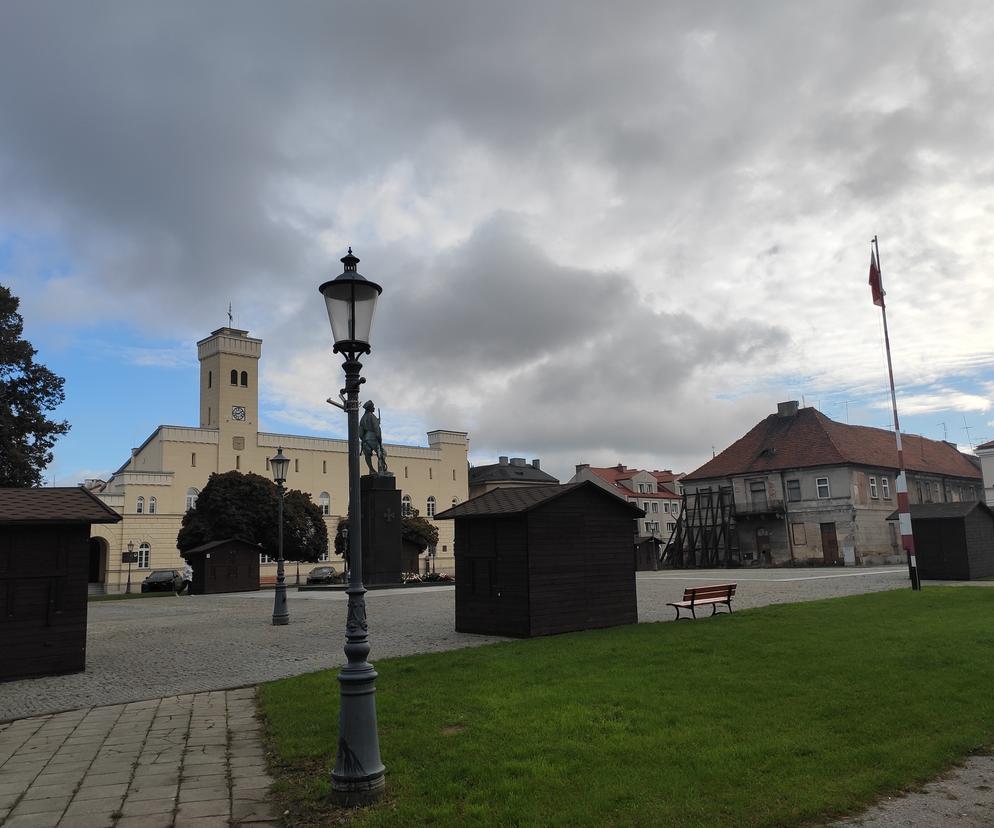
(156, 647)
(193, 761)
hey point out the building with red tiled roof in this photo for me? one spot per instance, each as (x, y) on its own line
(660, 502)
(808, 489)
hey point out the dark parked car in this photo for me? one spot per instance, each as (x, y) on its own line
(322, 575)
(162, 580)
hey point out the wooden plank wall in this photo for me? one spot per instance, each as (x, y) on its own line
(979, 531)
(43, 593)
(491, 576)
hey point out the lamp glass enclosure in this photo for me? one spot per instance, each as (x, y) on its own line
(280, 464)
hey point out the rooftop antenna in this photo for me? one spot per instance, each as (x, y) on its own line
(945, 434)
(229, 315)
(966, 428)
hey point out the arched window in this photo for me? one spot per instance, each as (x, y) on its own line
(405, 505)
(191, 498)
(151, 505)
(144, 555)
(140, 506)
(245, 379)
(324, 501)
(234, 377)
(431, 506)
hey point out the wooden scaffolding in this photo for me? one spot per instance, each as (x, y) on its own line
(705, 534)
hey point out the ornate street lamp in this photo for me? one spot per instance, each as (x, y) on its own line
(131, 557)
(281, 614)
(358, 775)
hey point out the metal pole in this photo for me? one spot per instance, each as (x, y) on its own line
(358, 777)
(281, 613)
(129, 574)
(903, 507)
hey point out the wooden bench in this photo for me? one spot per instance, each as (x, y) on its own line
(694, 597)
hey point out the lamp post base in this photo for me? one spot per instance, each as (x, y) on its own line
(281, 613)
(351, 794)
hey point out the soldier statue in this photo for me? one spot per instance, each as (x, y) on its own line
(371, 440)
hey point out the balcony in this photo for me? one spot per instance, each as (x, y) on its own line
(760, 507)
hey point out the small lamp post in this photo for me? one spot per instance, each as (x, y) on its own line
(358, 777)
(281, 614)
(131, 557)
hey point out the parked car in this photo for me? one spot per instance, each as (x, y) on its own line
(323, 575)
(162, 580)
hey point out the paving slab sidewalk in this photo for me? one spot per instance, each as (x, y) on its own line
(191, 761)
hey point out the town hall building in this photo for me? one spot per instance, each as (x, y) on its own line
(163, 477)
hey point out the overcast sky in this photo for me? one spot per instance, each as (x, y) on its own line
(605, 232)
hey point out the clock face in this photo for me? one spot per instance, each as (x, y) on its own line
(238, 412)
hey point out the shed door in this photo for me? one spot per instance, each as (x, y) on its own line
(829, 543)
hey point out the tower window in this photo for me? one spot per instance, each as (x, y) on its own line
(324, 501)
(210, 378)
(151, 505)
(234, 377)
(244, 379)
(193, 458)
(140, 506)
(429, 472)
(324, 466)
(238, 461)
(296, 465)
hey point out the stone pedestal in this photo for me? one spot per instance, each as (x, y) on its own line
(381, 544)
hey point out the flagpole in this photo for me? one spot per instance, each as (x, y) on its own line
(903, 508)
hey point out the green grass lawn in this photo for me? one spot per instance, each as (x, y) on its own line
(774, 716)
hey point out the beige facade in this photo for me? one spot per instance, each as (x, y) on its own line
(157, 485)
(641, 488)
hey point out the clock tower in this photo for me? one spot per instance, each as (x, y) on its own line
(229, 390)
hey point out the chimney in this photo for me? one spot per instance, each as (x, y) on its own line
(536, 465)
(581, 466)
(518, 461)
(620, 467)
(502, 460)
(787, 409)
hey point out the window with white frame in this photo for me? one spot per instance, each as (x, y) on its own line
(885, 486)
(264, 558)
(405, 505)
(140, 506)
(151, 505)
(666, 506)
(670, 527)
(324, 501)
(191, 498)
(873, 488)
(430, 511)
(144, 555)
(655, 505)
(324, 555)
(823, 489)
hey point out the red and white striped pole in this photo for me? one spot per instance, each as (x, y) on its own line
(903, 508)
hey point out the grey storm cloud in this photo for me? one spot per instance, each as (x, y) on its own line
(210, 150)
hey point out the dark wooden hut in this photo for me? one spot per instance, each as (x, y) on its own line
(230, 565)
(544, 559)
(647, 553)
(953, 541)
(44, 568)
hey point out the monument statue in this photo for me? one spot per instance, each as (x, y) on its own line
(371, 440)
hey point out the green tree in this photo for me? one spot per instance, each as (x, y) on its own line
(246, 506)
(27, 391)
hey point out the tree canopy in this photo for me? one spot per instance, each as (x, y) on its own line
(27, 391)
(246, 506)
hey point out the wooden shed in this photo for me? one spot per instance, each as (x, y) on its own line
(44, 568)
(544, 559)
(230, 565)
(953, 541)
